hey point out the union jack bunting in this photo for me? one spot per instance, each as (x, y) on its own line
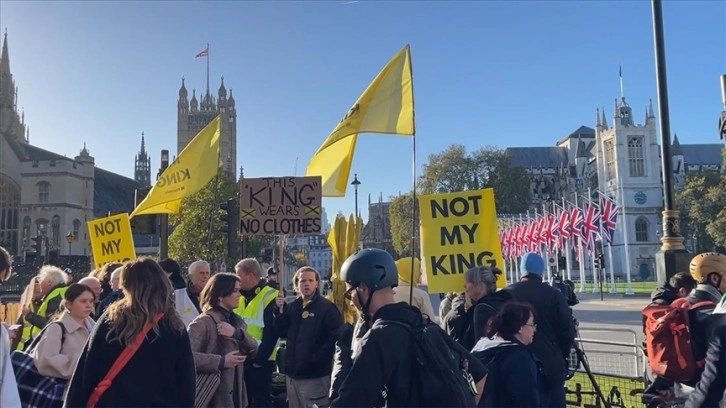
(590, 226)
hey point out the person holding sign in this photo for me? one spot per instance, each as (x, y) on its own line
(555, 329)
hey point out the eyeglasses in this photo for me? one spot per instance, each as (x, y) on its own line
(349, 293)
(533, 326)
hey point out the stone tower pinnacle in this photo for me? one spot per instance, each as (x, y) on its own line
(142, 168)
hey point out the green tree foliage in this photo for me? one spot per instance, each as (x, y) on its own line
(400, 213)
(702, 205)
(190, 239)
(456, 170)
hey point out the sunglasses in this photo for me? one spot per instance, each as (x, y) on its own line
(349, 293)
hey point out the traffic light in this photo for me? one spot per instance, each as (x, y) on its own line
(230, 225)
(37, 242)
(599, 261)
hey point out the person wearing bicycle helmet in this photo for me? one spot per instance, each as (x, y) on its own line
(708, 270)
(382, 368)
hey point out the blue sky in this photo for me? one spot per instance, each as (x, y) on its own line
(485, 73)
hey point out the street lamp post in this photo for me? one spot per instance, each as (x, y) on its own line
(722, 121)
(69, 239)
(673, 256)
(355, 183)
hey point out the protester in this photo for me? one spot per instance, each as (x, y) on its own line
(61, 343)
(467, 322)
(187, 298)
(711, 388)
(9, 396)
(173, 272)
(272, 278)
(52, 281)
(384, 357)
(515, 375)
(402, 293)
(161, 372)
(310, 323)
(256, 307)
(555, 326)
(220, 341)
(116, 292)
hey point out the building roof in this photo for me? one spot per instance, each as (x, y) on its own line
(535, 157)
(112, 193)
(584, 132)
(703, 154)
(36, 153)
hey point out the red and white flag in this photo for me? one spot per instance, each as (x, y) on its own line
(204, 53)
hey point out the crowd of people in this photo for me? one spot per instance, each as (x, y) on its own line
(139, 334)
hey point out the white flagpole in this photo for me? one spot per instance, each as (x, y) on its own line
(581, 254)
(568, 252)
(595, 274)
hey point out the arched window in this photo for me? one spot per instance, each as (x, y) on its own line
(43, 191)
(641, 230)
(55, 232)
(76, 228)
(636, 156)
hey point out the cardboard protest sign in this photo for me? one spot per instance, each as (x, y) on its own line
(280, 205)
(111, 239)
(458, 231)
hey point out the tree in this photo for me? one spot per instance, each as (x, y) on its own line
(455, 170)
(696, 209)
(301, 260)
(400, 216)
(716, 198)
(190, 239)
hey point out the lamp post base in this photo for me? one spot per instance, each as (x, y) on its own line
(670, 262)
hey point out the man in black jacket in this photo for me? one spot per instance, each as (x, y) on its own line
(555, 328)
(382, 370)
(310, 324)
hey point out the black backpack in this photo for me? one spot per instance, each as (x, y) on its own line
(440, 367)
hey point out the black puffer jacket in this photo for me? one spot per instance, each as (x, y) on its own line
(311, 332)
(555, 328)
(711, 389)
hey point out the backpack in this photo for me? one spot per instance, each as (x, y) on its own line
(668, 340)
(440, 367)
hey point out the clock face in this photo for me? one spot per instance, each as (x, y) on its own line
(640, 198)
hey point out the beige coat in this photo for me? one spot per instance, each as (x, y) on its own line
(209, 349)
(421, 300)
(50, 358)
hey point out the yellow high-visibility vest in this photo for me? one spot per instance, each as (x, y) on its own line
(253, 313)
(29, 331)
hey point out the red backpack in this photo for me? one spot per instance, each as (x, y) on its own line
(668, 340)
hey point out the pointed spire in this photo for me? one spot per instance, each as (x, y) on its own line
(183, 91)
(4, 58)
(194, 103)
(597, 117)
(231, 98)
(676, 149)
(222, 90)
(143, 144)
(651, 114)
(604, 121)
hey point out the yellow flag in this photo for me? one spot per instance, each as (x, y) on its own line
(196, 165)
(386, 107)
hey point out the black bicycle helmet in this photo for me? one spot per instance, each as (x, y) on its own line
(374, 267)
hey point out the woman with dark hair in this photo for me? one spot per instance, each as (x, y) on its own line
(8, 388)
(173, 272)
(160, 372)
(220, 341)
(514, 372)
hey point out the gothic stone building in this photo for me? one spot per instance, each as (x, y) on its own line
(621, 160)
(46, 193)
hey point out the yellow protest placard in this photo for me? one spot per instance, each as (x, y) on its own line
(111, 239)
(458, 231)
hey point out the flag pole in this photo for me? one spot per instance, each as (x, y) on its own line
(210, 235)
(414, 226)
(208, 69)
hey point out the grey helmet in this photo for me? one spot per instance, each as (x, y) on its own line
(374, 267)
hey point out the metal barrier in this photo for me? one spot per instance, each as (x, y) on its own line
(618, 368)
